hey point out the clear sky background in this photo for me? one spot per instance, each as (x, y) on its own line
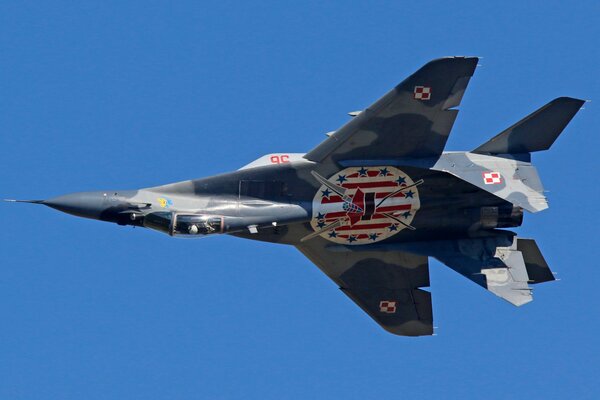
(120, 95)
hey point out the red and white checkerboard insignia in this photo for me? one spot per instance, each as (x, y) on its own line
(422, 93)
(388, 307)
(492, 178)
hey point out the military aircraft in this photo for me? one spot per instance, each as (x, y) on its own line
(371, 203)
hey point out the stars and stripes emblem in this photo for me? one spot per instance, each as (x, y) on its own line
(422, 93)
(492, 178)
(362, 205)
(387, 306)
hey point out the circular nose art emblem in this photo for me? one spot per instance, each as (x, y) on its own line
(362, 205)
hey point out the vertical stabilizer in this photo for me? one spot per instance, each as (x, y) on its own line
(535, 132)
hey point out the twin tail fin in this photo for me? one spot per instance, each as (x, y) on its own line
(535, 132)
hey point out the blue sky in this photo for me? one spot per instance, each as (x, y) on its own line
(123, 95)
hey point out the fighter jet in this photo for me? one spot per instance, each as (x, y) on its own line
(375, 200)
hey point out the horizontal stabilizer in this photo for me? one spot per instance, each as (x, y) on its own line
(537, 131)
(516, 181)
(502, 263)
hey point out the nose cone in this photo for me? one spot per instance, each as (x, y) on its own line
(84, 204)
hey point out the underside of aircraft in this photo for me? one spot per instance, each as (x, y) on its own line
(376, 199)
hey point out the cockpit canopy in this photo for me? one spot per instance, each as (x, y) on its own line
(184, 225)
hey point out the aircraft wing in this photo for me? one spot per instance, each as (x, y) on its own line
(413, 120)
(384, 284)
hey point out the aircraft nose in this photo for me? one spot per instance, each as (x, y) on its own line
(84, 204)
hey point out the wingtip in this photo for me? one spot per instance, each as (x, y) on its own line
(467, 57)
(570, 99)
(461, 65)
